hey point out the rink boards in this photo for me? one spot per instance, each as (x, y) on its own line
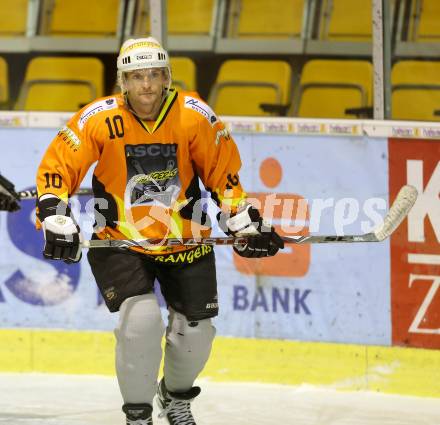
(343, 175)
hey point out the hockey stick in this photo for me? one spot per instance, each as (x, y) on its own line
(403, 203)
(32, 193)
(10, 199)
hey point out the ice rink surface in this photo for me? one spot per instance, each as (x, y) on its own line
(89, 400)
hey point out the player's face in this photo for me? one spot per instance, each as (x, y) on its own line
(145, 87)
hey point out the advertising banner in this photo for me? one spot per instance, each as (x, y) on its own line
(312, 292)
(415, 248)
(304, 184)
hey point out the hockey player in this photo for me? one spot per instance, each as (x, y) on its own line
(151, 144)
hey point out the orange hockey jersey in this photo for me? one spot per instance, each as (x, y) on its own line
(145, 181)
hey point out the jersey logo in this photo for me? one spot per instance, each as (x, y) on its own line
(186, 257)
(222, 133)
(69, 136)
(152, 174)
(95, 108)
(201, 108)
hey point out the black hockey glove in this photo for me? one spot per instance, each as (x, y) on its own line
(9, 199)
(61, 233)
(263, 241)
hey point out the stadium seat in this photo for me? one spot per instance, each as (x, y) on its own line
(346, 20)
(13, 18)
(81, 18)
(4, 84)
(254, 19)
(415, 90)
(242, 86)
(329, 87)
(190, 17)
(60, 84)
(183, 71)
(425, 18)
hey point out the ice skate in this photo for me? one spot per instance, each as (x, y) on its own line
(138, 414)
(176, 407)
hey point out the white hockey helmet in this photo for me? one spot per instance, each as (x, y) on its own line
(141, 53)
